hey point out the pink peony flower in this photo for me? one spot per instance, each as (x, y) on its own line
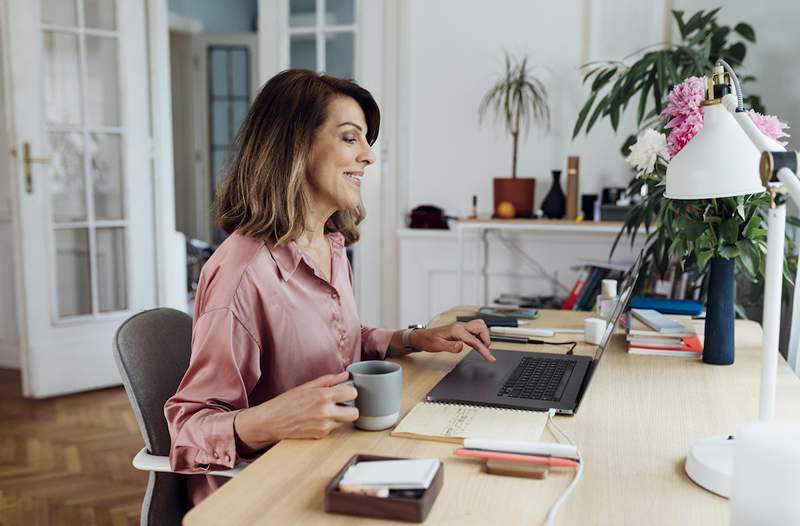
(685, 113)
(769, 125)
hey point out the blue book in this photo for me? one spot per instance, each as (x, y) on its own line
(667, 306)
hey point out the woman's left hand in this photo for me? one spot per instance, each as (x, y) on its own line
(451, 338)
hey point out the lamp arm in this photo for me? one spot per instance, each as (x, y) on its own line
(759, 140)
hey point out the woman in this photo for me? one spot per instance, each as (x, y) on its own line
(275, 319)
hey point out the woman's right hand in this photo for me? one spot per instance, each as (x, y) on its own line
(309, 410)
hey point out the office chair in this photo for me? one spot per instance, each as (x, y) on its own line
(152, 350)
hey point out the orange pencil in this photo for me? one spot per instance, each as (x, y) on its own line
(530, 459)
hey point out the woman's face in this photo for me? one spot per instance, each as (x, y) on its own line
(339, 154)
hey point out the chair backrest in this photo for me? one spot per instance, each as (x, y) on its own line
(152, 350)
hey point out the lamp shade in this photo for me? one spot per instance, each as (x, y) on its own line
(720, 161)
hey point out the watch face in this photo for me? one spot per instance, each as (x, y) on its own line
(417, 326)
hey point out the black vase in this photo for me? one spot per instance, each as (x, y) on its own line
(718, 343)
(555, 204)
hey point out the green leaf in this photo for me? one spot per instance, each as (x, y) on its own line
(703, 257)
(746, 30)
(603, 78)
(601, 106)
(729, 231)
(754, 228)
(678, 15)
(729, 251)
(582, 115)
(737, 52)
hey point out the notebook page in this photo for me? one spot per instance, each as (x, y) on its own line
(454, 422)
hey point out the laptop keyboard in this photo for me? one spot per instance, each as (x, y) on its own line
(538, 379)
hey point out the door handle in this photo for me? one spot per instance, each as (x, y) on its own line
(27, 161)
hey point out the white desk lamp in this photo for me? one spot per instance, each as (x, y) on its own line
(721, 160)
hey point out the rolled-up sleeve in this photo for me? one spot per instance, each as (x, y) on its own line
(375, 343)
(224, 367)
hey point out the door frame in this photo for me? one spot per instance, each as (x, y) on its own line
(170, 244)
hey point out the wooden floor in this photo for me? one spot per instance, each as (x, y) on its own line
(67, 460)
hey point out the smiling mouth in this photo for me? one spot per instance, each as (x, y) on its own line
(354, 177)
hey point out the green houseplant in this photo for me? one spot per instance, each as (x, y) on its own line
(518, 99)
(689, 232)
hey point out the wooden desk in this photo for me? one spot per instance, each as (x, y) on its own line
(635, 426)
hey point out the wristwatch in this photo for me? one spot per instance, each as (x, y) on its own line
(407, 337)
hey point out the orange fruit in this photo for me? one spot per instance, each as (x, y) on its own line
(506, 210)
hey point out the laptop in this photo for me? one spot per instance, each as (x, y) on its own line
(530, 380)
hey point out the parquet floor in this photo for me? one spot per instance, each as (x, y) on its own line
(67, 460)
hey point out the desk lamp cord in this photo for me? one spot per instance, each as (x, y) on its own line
(551, 516)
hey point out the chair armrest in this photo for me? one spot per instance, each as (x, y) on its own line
(144, 461)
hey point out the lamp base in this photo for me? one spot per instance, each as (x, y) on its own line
(710, 464)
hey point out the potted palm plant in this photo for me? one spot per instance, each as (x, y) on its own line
(518, 99)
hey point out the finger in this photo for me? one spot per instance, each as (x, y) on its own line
(479, 328)
(343, 393)
(476, 344)
(443, 343)
(328, 380)
(344, 413)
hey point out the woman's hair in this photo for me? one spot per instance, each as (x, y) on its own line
(265, 191)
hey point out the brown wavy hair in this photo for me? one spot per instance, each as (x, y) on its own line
(265, 190)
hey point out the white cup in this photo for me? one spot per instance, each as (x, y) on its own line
(593, 330)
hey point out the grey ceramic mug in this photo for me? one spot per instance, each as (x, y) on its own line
(380, 388)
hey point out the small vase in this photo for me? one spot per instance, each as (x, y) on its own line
(718, 345)
(554, 205)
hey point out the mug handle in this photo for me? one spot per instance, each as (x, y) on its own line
(350, 403)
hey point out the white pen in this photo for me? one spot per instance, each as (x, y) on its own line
(527, 448)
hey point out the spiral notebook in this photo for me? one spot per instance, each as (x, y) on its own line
(454, 422)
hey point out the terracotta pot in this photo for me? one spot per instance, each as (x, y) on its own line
(519, 192)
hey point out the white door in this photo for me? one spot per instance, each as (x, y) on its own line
(225, 85)
(76, 73)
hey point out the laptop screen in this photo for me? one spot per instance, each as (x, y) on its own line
(619, 308)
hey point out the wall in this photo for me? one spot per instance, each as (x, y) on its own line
(455, 52)
(217, 16)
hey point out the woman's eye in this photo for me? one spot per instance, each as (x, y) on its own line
(350, 139)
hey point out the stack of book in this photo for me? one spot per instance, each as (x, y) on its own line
(648, 341)
(587, 287)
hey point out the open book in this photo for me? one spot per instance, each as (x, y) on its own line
(454, 422)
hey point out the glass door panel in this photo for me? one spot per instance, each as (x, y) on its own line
(86, 182)
(59, 12)
(100, 14)
(67, 182)
(302, 13)
(102, 96)
(111, 272)
(339, 12)
(339, 53)
(62, 78)
(73, 272)
(303, 52)
(106, 172)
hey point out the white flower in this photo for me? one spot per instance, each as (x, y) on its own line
(646, 151)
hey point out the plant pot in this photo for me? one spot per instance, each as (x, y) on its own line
(554, 205)
(518, 191)
(718, 344)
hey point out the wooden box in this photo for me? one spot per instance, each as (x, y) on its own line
(395, 508)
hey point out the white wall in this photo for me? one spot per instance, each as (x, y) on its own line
(449, 52)
(456, 52)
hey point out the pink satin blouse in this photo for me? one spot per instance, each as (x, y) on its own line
(265, 321)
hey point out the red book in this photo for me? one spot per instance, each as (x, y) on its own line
(691, 348)
(577, 288)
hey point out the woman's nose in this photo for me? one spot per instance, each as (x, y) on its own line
(366, 156)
